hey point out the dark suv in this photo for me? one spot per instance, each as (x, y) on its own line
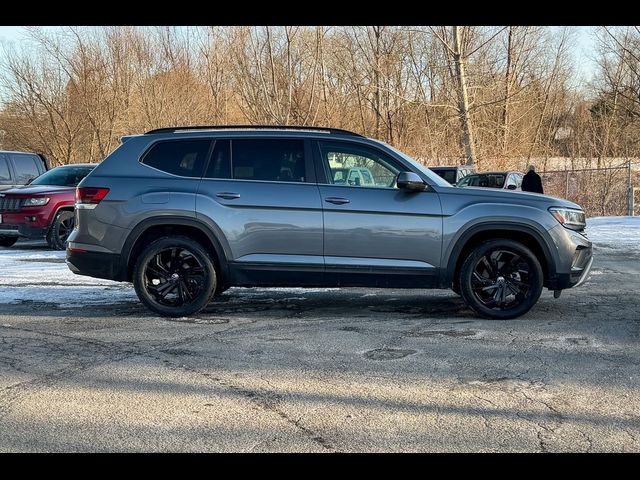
(185, 213)
(19, 168)
(453, 174)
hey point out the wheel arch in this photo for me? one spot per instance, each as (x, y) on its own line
(160, 226)
(525, 234)
(61, 208)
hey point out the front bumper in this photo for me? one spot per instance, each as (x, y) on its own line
(22, 230)
(575, 253)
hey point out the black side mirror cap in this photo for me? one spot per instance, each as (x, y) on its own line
(411, 181)
(511, 187)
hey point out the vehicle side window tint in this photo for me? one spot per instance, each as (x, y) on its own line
(179, 157)
(449, 175)
(39, 163)
(277, 160)
(466, 181)
(358, 166)
(25, 168)
(5, 174)
(220, 163)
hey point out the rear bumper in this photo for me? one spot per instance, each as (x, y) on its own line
(96, 264)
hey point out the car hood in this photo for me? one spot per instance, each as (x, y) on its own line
(38, 190)
(512, 197)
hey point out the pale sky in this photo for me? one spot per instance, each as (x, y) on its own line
(583, 53)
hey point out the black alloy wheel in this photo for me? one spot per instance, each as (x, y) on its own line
(501, 279)
(174, 276)
(61, 228)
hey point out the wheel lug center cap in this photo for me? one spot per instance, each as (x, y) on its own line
(500, 279)
(175, 276)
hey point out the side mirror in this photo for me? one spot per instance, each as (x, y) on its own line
(410, 181)
(511, 187)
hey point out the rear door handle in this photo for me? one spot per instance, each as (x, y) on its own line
(337, 200)
(228, 195)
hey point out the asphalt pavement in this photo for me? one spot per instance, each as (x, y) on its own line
(324, 370)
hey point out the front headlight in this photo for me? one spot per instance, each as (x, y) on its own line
(36, 202)
(573, 219)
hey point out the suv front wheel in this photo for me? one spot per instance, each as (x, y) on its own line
(61, 228)
(174, 276)
(501, 279)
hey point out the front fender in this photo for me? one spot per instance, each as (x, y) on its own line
(458, 231)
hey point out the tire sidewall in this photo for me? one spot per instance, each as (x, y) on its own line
(53, 237)
(194, 248)
(535, 274)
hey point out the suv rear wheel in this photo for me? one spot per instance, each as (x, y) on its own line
(8, 241)
(174, 276)
(60, 230)
(501, 279)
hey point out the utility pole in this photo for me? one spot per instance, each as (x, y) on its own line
(630, 191)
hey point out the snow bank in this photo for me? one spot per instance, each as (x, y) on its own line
(620, 233)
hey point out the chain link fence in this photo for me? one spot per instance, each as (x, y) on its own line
(600, 191)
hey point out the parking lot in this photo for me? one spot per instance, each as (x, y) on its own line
(84, 367)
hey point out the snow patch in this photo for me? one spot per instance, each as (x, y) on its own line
(615, 232)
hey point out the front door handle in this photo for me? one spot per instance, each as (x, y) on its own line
(228, 195)
(337, 200)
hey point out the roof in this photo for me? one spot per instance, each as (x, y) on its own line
(77, 165)
(15, 151)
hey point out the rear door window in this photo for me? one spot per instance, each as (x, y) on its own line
(220, 163)
(5, 173)
(185, 158)
(276, 160)
(25, 167)
(39, 163)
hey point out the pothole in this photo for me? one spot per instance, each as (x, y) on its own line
(199, 321)
(350, 329)
(447, 333)
(578, 340)
(388, 353)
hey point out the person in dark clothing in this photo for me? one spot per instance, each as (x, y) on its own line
(532, 182)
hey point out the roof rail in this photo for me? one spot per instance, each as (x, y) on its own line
(254, 127)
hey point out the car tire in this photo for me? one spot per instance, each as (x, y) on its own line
(61, 228)
(8, 241)
(174, 276)
(501, 279)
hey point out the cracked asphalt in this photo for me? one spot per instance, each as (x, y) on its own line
(328, 371)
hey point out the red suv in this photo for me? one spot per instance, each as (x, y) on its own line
(44, 208)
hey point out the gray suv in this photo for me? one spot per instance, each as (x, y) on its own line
(185, 213)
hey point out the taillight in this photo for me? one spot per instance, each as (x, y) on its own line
(90, 195)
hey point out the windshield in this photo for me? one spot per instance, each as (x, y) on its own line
(432, 176)
(66, 176)
(493, 180)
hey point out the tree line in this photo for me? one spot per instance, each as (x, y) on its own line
(495, 97)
